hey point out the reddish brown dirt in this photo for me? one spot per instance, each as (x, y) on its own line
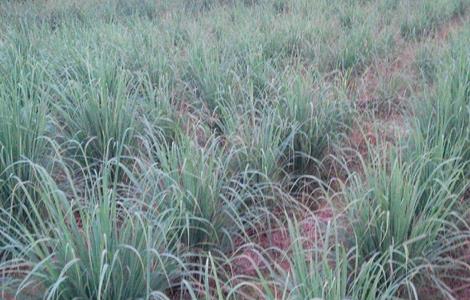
(367, 86)
(448, 28)
(388, 124)
(191, 123)
(7, 297)
(276, 242)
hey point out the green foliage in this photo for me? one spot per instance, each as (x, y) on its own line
(317, 120)
(155, 149)
(429, 15)
(320, 271)
(196, 182)
(406, 204)
(426, 62)
(93, 247)
(443, 126)
(24, 121)
(262, 139)
(94, 107)
(404, 207)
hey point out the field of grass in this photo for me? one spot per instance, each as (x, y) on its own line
(235, 149)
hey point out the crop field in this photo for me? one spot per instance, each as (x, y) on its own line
(235, 149)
